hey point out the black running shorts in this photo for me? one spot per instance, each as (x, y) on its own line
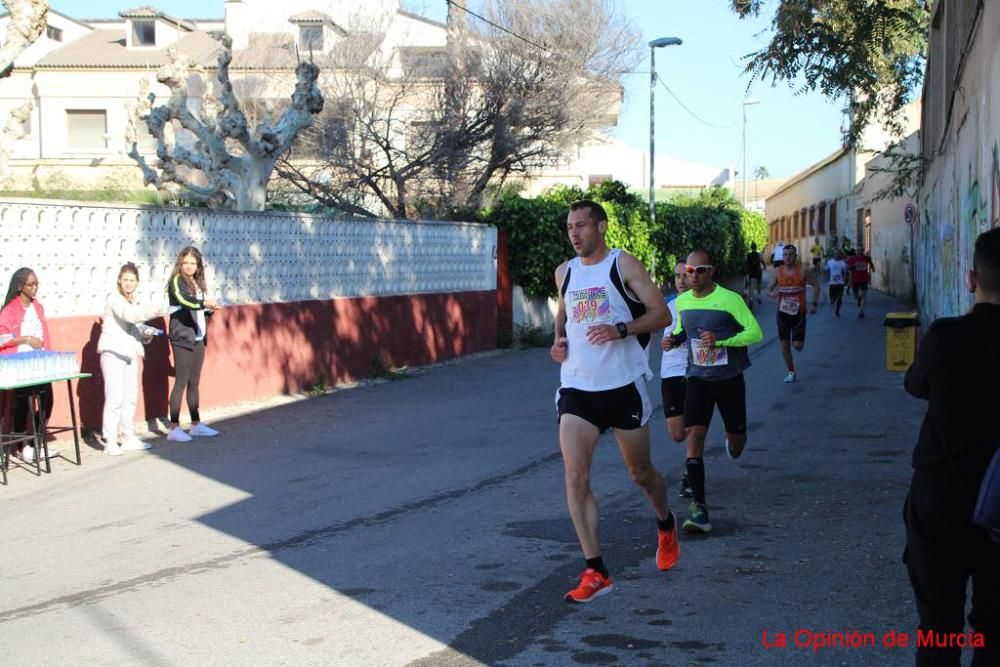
(860, 287)
(792, 327)
(673, 392)
(836, 292)
(626, 408)
(729, 395)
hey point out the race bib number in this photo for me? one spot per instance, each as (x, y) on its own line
(789, 306)
(589, 306)
(704, 355)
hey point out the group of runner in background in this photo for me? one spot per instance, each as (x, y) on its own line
(840, 265)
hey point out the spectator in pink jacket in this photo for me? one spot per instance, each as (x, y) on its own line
(23, 328)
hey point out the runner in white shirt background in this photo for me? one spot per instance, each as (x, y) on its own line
(778, 255)
(837, 269)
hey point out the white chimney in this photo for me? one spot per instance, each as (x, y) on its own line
(237, 20)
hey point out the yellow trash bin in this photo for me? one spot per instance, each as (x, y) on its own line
(900, 340)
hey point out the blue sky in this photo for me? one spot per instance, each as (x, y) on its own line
(785, 132)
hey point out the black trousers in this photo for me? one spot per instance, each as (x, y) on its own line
(944, 550)
(187, 370)
(19, 407)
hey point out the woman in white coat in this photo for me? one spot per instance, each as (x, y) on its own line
(121, 347)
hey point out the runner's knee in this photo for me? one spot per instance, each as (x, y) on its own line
(642, 474)
(577, 482)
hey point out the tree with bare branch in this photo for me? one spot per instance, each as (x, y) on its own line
(431, 133)
(27, 22)
(227, 163)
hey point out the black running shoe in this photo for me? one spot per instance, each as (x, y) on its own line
(685, 490)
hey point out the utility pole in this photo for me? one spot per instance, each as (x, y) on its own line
(746, 103)
(653, 45)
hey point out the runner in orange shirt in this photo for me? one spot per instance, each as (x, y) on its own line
(788, 286)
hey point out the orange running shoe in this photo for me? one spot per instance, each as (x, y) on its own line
(668, 548)
(592, 585)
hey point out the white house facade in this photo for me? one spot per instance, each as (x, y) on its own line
(81, 75)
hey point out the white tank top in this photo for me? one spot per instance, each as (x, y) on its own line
(674, 362)
(596, 294)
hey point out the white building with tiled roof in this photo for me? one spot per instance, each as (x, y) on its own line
(82, 73)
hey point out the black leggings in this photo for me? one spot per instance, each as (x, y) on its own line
(187, 367)
(19, 407)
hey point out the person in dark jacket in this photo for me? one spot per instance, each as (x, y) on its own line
(188, 335)
(956, 371)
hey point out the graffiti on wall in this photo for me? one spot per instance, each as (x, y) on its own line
(938, 246)
(956, 210)
(973, 216)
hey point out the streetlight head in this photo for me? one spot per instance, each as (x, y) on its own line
(665, 41)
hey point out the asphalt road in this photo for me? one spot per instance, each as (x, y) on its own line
(423, 522)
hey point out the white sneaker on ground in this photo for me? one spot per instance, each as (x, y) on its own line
(113, 449)
(28, 453)
(203, 431)
(790, 377)
(134, 443)
(177, 434)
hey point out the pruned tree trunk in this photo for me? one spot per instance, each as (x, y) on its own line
(208, 171)
(27, 22)
(12, 131)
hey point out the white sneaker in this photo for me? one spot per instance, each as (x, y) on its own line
(790, 377)
(113, 449)
(28, 453)
(134, 443)
(178, 435)
(203, 431)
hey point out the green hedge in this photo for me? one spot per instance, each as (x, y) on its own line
(712, 220)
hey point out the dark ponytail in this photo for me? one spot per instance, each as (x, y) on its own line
(16, 283)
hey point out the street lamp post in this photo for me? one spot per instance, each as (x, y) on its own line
(653, 45)
(746, 103)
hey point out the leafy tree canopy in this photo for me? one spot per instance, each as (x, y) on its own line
(874, 49)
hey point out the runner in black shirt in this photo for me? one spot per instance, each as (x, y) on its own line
(755, 268)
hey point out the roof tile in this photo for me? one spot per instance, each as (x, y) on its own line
(106, 49)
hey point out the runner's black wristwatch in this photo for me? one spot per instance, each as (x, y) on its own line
(622, 329)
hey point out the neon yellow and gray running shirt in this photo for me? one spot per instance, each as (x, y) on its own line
(724, 313)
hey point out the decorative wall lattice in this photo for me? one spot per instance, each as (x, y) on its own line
(250, 258)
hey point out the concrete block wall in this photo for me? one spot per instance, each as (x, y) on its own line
(311, 299)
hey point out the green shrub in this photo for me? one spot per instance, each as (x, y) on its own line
(527, 335)
(711, 219)
(536, 238)
(754, 226)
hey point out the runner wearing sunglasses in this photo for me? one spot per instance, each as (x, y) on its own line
(608, 306)
(718, 327)
(789, 287)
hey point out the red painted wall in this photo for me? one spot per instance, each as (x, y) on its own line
(264, 350)
(505, 286)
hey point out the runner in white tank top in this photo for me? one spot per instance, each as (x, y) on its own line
(673, 369)
(608, 307)
(592, 298)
